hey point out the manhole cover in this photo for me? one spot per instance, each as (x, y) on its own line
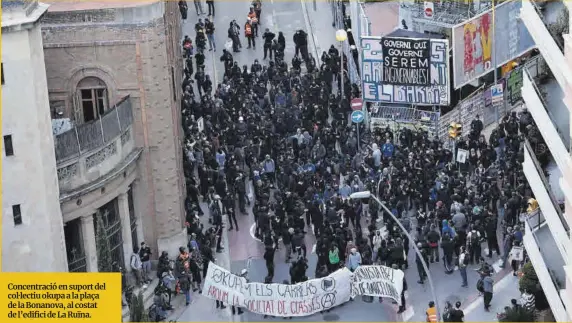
(331, 317)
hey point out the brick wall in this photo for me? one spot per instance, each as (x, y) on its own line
(136, 59)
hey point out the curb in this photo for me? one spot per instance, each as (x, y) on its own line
(310, 31)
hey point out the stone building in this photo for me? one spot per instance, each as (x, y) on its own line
(32, 227)
(114, 69)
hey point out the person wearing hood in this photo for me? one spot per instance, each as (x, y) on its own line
(269, 168)
(388, 149)
(447, 229)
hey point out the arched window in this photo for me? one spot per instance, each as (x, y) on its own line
(91, 99)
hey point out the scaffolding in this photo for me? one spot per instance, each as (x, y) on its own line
(447, 14)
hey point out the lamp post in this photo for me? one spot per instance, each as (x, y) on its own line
(366, 195)
(341, 36)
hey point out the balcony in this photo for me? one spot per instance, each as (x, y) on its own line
(549, 48)
(88, 153)
(554, 139)
(546, 236)
(549, 265)
(552, 213)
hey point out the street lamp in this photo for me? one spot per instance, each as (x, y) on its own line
(366, 195)
(341, 36)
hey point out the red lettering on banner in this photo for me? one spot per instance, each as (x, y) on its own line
(281, 307)
(218, 294)
(293, 308)
(269, 307)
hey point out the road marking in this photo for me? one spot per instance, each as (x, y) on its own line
(503, 283)
(408, 314)
(253, 230)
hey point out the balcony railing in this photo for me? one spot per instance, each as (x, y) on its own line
(545, 106)
(539, 218)
(91, 136)
(539, 10)
(91, 153)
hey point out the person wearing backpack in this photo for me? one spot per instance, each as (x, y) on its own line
(463, 263)
(474, 246)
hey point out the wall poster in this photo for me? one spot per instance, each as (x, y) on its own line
(475, 50)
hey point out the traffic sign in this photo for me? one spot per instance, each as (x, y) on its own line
(357, 104)
(357, 116)
(429, 9)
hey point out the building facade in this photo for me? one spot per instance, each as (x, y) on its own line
(115, 70)
(32, 226)
(547, 237)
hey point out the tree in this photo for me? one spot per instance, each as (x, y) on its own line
(104, 261)
(517, 314)
(560, 26)
(137, 311)
(529, 280)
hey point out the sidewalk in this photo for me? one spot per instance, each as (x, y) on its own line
(321, 34)
(203, 309)
(503, 291)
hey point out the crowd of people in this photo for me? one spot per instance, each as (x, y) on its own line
(275, 136)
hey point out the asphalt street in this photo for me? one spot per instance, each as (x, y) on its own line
(245, 250)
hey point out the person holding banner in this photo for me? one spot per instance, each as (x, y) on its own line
(403, 304)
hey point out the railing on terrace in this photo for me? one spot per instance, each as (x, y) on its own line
(538, 10)
(545, 105)
(546, 184)
(95, 134)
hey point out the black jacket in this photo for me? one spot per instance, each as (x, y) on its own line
(268, 37)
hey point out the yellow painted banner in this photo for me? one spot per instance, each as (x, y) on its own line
(51, 297)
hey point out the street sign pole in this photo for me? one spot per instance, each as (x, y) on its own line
(357, 117)
(358, 140)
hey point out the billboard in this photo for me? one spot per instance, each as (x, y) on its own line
(473, 52)
(412, 71)
(406, 61)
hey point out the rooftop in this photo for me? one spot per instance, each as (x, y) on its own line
(450, 12)
(18, 14)
(81, 5)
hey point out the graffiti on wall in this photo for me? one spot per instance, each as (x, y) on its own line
(434, 91)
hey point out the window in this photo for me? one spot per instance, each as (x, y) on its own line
(2, 68)
(8, 148)
(92, 98)
(17, 214)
